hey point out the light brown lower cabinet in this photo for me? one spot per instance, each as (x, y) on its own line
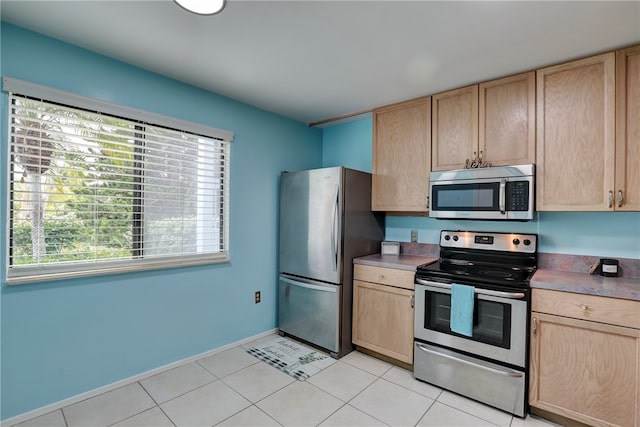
(383, 311)
(585, 370)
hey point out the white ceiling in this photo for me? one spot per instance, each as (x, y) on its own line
(313, 60)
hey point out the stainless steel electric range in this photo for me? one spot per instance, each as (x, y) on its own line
(490, 364)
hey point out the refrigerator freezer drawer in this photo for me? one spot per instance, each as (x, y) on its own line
(310, 310)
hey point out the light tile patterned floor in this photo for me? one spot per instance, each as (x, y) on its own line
(233, 388)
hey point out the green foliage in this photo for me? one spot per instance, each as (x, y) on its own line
(91, 214)
(66, 240)
(93, 188)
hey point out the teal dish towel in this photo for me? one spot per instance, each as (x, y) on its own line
(462, 303)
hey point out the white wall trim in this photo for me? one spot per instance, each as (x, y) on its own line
(109, 387)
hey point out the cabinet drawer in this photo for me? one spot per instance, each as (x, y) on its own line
(613, 311)
(385, 276)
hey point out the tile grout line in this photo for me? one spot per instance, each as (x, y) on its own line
(407, 388)
(262, 398)
(426, 412)
(242, 410)
(477, 416)
(64, 418)
(346, 403)
(167, 415)
(181, 394)
(230, 373)
(156, 402)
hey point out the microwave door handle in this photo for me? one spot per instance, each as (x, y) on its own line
(502, 200)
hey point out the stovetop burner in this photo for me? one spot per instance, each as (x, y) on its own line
(477, 274)
(496, 273)
(493, 260)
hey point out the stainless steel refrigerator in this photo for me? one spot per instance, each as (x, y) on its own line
(325, 221)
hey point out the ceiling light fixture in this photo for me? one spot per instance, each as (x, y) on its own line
(202, 7)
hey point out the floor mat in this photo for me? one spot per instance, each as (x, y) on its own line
(291, 358)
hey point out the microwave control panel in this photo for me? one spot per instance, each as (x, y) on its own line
(517, 196)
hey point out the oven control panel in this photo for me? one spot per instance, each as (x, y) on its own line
(508, 242)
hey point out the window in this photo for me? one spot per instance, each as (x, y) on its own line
(91, 192)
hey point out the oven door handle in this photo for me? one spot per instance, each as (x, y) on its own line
(500, 294)
(510, 373)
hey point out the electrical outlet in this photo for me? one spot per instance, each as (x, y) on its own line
(257, 297)
(414, 236)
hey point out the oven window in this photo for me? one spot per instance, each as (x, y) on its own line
(491, 320)
(466, 197)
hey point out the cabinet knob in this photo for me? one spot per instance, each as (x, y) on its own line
(610, 199)
(584, 307)
(620, 198)
(534, 326)
(380, 276)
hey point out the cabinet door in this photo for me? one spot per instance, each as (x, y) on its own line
(383, 319)
(628, 130)
(455, 127)
(585, 371)
(507, 120)
(576, 135)
(402, 157)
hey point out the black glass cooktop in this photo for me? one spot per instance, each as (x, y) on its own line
(492, 260)
(477, 273)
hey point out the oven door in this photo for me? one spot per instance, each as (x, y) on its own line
(499, 327)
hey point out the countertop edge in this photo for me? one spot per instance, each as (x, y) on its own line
(583, 283)
(557, 280)
(399, 262)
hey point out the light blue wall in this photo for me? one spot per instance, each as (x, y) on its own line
(348, 145)
(615, 234)
(63, 338)
(612, 234)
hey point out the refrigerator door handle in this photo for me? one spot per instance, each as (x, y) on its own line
(334, 231)
(309, 285)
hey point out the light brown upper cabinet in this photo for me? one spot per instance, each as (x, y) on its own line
(576, 135)
(491, 122)
(402, 157)
(508, 120)
(627, 189)
(455, 127)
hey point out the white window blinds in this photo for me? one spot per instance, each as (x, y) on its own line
(94, 193)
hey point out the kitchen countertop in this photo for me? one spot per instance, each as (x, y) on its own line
(583, 283)
(400, 262)
(556, 280)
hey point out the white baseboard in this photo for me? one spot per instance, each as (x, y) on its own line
(100, 390)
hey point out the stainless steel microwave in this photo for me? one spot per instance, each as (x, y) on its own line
(493, 193)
